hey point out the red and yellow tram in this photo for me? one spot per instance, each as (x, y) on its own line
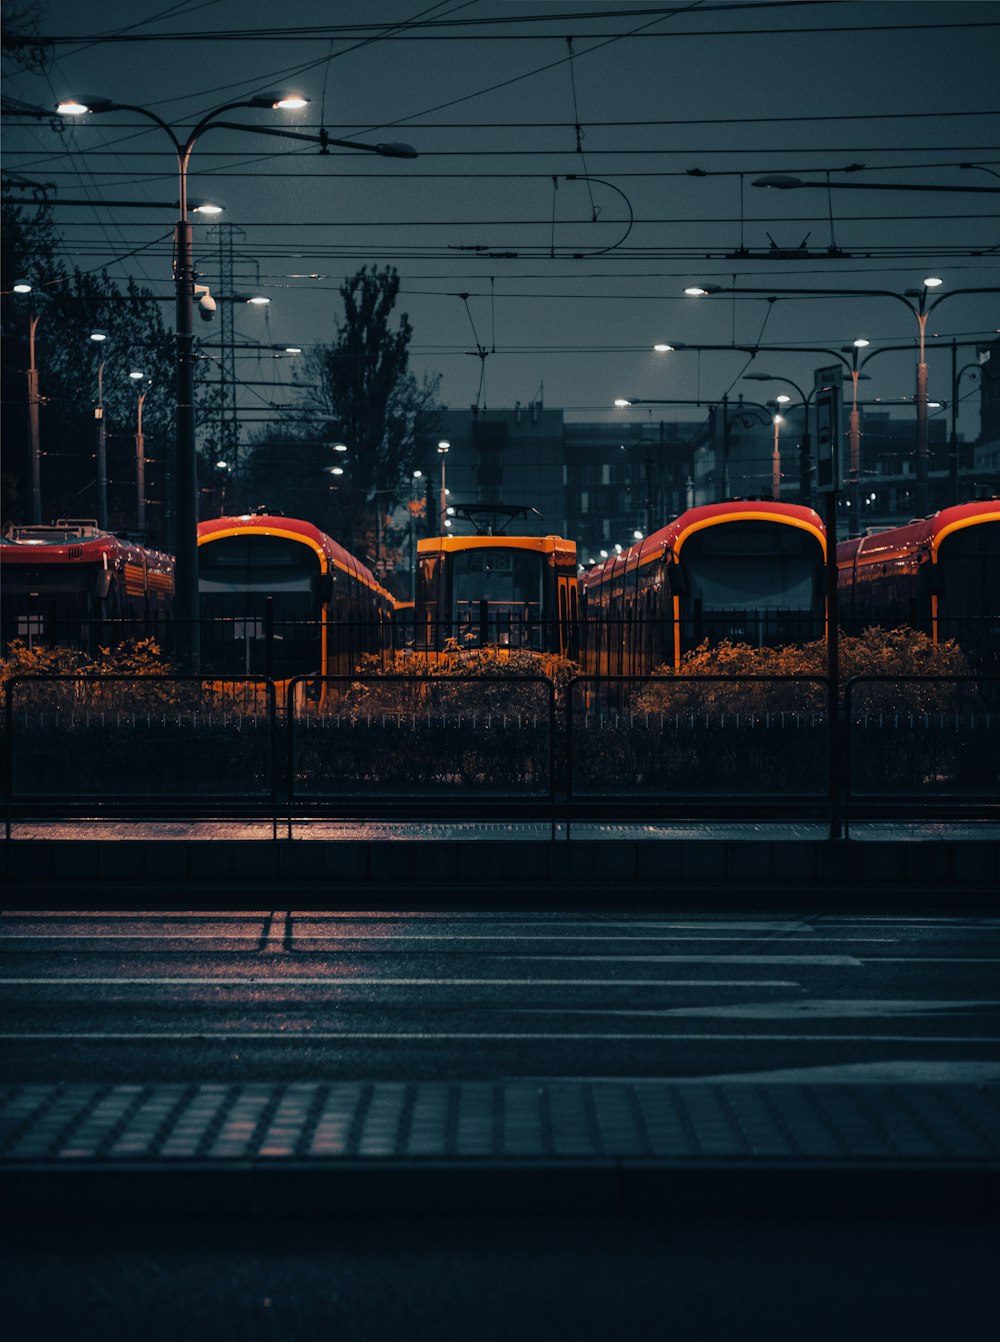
(747, 571)
(70, 583)
(278, 595)
(497, 590)
(939, 574)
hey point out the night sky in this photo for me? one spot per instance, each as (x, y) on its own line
(499, 104)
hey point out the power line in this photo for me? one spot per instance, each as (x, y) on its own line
(409, 33)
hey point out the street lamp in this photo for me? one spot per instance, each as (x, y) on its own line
(744, 413)
(784, 182)
(23, 287)
(776, 460)
(805, 443)
(140, 454)
(442, 448)
(921, 310)
(415, 479)
(99, 337)
(186, 468)
(224, 469)
(805, 461)
(956, 377)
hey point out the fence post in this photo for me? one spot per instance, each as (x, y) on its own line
(269, 637)
(291, 696)
(833, 662)
(9, 752)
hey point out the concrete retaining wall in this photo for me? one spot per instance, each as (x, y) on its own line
(423, 871)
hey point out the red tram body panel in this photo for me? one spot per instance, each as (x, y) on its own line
(745, 570)
(72, 584)
(500, 590)
(326, 607)
(938, 574)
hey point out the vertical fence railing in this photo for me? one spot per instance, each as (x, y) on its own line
(698, 745)
(121, 744)
(482, 746)
(466, 746)
(924, 745)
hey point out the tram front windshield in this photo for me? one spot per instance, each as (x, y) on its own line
(970, 563)
(753, 566)
(238, 572)
(508, 579)
(969, 585)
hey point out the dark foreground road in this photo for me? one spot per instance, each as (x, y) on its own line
(872, 1012)
(284, 996)
(664, 1277)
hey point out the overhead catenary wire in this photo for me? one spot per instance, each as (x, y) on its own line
(410, 30)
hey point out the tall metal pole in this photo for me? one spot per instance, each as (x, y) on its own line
(953, 437)
(833, 662)
(805, 457)
(923, 488)
(33, 400)
(140, 469)
(102, 452)
(854, 470)
(185, 463)
(442, 448)
(725, 446)
(776, 462)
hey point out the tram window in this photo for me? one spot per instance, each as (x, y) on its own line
(269, 564)
(753, 565)
(761, 584)
(497, 575)
(969, 563)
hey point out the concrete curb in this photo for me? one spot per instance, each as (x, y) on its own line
(647, 869)
(434, 1188)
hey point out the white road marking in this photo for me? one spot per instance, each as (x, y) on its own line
(347, 1036)
(934, 1072)
(839, 960)
(112, 981)
(301, 935)
(909, 1070)
(772, 1010)
(689, 959)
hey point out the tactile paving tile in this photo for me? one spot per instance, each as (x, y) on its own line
(555, 1121)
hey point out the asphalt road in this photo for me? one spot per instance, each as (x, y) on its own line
(275, 996)
(280, 996)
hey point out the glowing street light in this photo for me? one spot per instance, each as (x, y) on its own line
(916, 301)
(186, 470)
(776, 459)
(34, 400)
(140, 453)
(443, 448)
(99, 337)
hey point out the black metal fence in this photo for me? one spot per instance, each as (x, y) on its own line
(481, 747)
(456, 745)
(750, 743)
(927, 742)
(163, 745)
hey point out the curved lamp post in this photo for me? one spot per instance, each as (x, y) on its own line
(805, 443)
(140, 453)
(186, 470)
(443, 447)
(921, 310)
(23, 287)
(805, 446)
(99, 337)
(956, 377)
(742, 413)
